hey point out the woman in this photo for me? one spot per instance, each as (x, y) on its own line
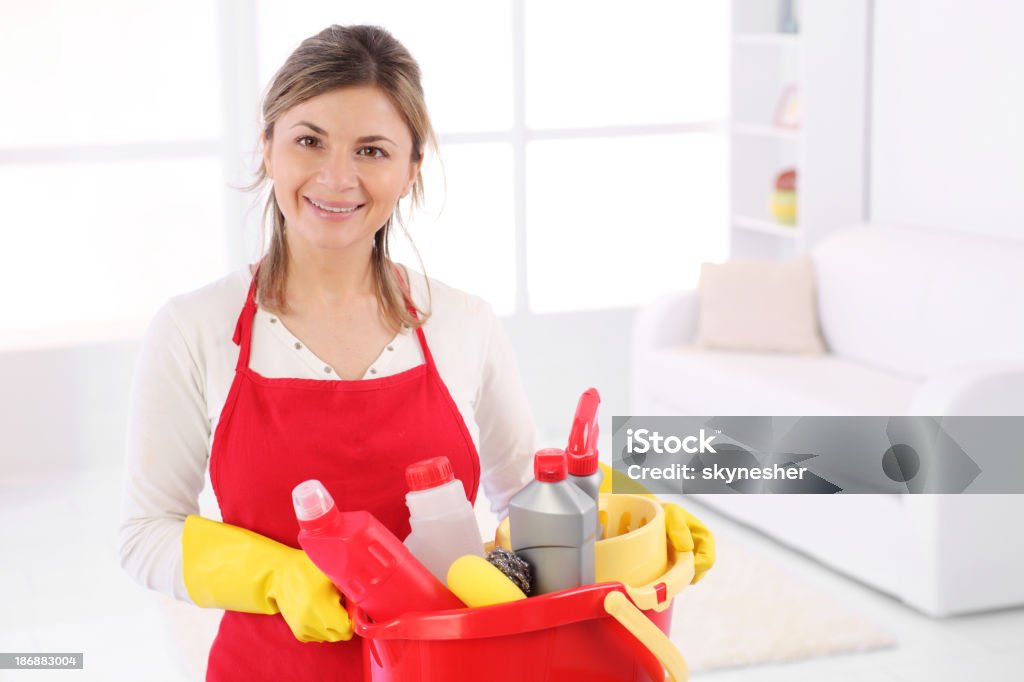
(337, 357)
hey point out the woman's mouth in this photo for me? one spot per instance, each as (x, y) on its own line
(333, 211)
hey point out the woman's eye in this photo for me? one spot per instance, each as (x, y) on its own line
(374, 152)
(313, 141)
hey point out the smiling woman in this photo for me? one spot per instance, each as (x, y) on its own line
(334, 188)
(357, 90)
(319, 361)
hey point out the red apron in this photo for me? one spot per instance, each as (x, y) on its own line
(356, 437)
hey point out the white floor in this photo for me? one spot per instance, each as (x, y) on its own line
(976, 648)
(62, 588)
(63, 591)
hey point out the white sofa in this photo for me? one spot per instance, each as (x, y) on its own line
(917, 322)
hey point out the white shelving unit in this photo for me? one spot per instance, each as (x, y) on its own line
(826, 61)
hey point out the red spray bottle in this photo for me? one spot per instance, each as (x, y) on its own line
(363, 559)
(581, 453)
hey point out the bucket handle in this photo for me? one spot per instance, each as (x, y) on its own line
(640, 626)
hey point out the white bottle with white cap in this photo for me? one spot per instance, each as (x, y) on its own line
(442, 519)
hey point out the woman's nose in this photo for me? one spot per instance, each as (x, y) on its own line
(339, 172)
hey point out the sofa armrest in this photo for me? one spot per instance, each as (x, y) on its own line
(668, 321)
(973, 391)
(962, 553)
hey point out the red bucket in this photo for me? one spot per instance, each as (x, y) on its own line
(594, 633)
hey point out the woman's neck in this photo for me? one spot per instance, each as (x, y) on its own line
(323, 280)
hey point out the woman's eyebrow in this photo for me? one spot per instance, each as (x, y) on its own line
(362, 140)
(315, 128)
(375, 138)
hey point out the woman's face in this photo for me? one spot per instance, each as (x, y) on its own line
(340, 162)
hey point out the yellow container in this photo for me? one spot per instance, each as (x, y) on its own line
(633, 551)
(636, 553)
(783, 206)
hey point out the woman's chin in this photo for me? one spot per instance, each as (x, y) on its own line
(332, 240)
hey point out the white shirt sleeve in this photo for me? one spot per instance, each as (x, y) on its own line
(167, 447)
(508, 432)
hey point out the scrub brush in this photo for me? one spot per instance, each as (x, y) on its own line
(513, 566)
(477, 582)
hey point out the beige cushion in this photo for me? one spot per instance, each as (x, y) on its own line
(759, 306)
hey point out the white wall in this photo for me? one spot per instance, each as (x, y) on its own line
(947, 110)
(64, 408)
(560, 356)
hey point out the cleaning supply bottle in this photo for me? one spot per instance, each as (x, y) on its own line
(442, 519)
(363, 559)
(581, 453)
(552, 525)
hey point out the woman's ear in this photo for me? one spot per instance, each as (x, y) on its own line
(414, 173)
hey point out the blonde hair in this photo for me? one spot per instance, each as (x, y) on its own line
(337, 57)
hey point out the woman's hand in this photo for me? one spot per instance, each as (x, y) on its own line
(685, 531)
(309, 602)
(688, 534)
(232, 568)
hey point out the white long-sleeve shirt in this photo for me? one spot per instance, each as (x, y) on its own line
(185, 369)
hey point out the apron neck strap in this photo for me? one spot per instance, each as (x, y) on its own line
(428, 357)
(243, 327)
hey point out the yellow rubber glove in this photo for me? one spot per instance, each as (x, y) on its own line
(685, 531)
(228, 567)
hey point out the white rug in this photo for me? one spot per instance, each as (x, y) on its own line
(747, 611)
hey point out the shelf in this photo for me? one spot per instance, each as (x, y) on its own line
(758, 130)
(828, 60)
(766, 227)
(767, 39)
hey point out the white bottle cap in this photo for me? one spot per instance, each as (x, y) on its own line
(311, 500)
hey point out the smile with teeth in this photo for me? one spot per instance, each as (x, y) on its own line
(333, 210)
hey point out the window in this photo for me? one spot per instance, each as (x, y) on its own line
(581, 147)
(615, 220)
(109, 160)
(581, 141)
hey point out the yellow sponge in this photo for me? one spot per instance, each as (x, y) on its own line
(477, 583)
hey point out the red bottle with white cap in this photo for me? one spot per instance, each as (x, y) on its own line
(441, 517)
(363, 559)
